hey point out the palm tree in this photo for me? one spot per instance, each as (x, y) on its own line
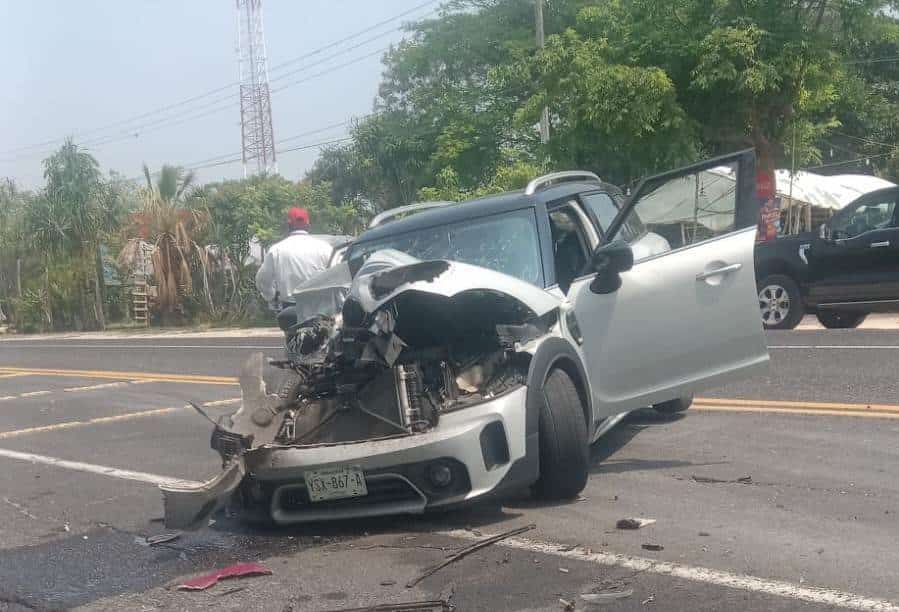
(69, 219)
(171, 221)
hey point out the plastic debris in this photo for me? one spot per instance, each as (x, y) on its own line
(708, 480)
(598, 598)
(648, 600)
(634, 523)
(467, 551)
(566, 605)
(653, 547)
(239, 570)
(563, 570)
(437, 605)
(162, 538)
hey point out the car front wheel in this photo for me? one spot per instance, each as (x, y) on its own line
(780, 302)
(841, 320)
(564, 453)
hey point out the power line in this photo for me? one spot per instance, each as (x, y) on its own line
(331, 69)
(849, 161)
(165, 122)
(206, 94)
(357, 34)
(234, 157)
(873, 60)
(867, 140)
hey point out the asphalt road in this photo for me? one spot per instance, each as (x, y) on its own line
(758, 506)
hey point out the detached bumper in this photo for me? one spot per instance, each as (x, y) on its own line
(485, 447)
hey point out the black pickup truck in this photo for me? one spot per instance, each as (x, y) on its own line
(848, 269)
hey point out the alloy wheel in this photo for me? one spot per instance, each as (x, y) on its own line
(774, 303)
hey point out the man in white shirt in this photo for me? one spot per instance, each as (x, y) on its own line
(293, 261)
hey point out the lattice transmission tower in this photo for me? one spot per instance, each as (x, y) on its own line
(256, 132)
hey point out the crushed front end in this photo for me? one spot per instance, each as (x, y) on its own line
(411, 397)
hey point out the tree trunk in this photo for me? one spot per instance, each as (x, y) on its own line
(48, 301)
(99, 290)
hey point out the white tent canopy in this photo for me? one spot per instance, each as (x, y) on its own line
(708, 197)
(833, 192)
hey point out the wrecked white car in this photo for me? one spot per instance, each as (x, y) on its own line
(476, 348)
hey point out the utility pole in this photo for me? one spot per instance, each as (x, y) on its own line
(256, 133)
(544, 114)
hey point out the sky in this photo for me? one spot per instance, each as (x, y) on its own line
(73, 68)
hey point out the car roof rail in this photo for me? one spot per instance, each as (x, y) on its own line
(388, 215)
(541, 182)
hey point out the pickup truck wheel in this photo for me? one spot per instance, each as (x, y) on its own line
(674, 406)
(841, 320)
(564, 453)
(780, 302)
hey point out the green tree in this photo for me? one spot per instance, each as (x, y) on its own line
(13, 246)
(171, 222)
(769, 73)
(68, 221)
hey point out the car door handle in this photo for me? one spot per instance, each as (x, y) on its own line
(877, 245)
(718, 272)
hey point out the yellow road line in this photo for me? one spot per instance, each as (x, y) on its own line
(715, 402)
(119, 375)
(109, 419)
(770, 410)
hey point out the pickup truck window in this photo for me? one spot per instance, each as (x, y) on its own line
(863, 218)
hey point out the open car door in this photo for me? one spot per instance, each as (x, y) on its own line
(685, 316)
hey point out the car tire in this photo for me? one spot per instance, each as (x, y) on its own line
(780, 302)
(674, 406)
(564, 452)
(841, 320)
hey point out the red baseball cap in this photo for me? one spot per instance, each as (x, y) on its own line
(298, 217)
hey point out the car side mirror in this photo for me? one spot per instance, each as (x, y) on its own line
(609, 261)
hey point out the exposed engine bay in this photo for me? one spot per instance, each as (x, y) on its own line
(391, 361)
(382, 352)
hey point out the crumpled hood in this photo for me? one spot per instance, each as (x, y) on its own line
(388, 273)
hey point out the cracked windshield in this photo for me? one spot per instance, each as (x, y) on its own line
(448, 305)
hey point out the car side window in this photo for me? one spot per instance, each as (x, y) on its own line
(569, 245)
(606, 207)
(863, 218)
(683, 210)
(603, 207)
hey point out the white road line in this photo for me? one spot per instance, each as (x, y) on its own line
(130, 347)
(7, 397)
(11, 375)
(826, 347)
(814, 595)
(224, 402)
(94, 387)
(34, 393)
(91, 468)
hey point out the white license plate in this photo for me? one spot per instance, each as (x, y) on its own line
(335, 483)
